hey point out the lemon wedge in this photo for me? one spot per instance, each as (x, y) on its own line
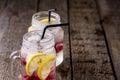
(30, 29)
(45, 66)
(34, 62)
(46, 20)
(43, 20)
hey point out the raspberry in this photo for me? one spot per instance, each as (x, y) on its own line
(51, 76)
(25, 77)
(23, 61)
(59, 47)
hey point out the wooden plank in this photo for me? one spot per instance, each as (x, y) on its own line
(15, 18)
(2, 31)
(2, 6)
(110, 11)
(89, 53)
(61, 5)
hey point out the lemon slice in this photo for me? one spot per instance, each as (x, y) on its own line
(46, 20)
(30, 29)
(34, 62)
(45, 67)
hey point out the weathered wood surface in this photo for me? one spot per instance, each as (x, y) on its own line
(15, 18)
(89, 53)
(110, 15)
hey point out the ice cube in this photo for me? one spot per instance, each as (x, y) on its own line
(28, 57)
(34, 38)
(58, 34)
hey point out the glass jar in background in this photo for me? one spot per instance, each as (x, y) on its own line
(40, 20)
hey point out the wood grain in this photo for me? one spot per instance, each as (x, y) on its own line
(89, 53)
(110, 13)
(15, 18)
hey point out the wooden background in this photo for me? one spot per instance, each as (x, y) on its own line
(86, 52)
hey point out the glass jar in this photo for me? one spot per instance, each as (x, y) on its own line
(32, 46)
(40, 20)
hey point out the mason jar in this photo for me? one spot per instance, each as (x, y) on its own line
(37, 57)
(40, 20)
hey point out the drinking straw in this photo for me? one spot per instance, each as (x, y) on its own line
(53, 25)
(49, 14)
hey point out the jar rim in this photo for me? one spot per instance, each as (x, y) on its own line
(46, 13)
(39, 32)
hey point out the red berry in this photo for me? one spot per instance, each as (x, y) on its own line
(34, 77)
(51, 76)
(25, 77)
(23, 61)
(59, 47)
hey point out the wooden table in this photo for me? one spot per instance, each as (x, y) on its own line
(92, 40)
